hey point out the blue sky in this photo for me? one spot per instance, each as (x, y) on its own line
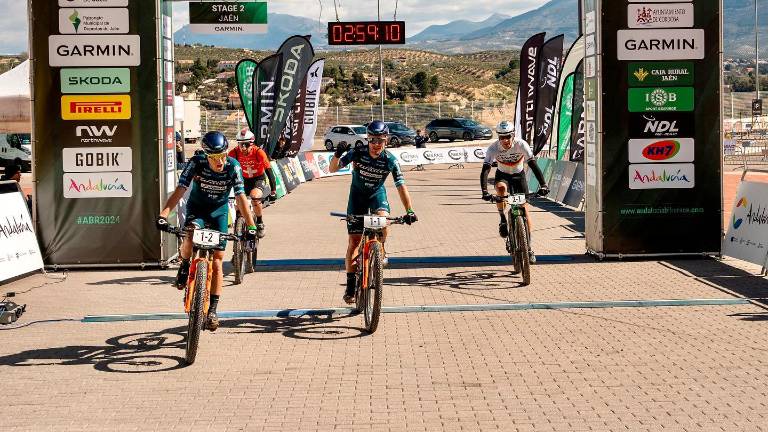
(418, 14)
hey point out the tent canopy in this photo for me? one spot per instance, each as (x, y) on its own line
(15, 104)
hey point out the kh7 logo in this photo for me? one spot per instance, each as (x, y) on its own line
(737, 222)
(661, 150)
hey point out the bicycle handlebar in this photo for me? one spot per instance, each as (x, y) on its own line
(181, 232)
(351, 218)
(497, 199)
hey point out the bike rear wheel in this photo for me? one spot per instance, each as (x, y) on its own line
(522, 250)
(240, 257)
(196, 318)
(372, 305)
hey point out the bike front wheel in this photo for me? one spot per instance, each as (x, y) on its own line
(521, 252)
(196, 312)
(240, 256)
(372, 303)
(511, 244)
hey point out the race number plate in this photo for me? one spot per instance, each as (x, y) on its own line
(516, 199)
(374, 221)
(204, 237)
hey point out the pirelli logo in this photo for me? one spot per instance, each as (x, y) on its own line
(96, 107)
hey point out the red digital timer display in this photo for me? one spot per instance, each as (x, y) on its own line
(366, 33)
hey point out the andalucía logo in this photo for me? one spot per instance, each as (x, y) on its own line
(737, 222)
(99, 186)
(662, 177)
(757, 217)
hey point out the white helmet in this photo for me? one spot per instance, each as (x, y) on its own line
(505, 128)
(245, 134)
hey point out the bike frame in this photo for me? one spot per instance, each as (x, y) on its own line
(189, 294)
(369, 237)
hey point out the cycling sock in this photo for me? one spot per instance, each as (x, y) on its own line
(350, 281)
(214, 302)
(259, 219)
(503, 217)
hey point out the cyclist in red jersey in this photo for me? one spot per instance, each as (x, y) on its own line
(255, 164)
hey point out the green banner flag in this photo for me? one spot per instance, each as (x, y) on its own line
(244, 77)
(566, 111)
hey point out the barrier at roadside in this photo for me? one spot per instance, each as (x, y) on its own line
(747, 236)
(19, 249)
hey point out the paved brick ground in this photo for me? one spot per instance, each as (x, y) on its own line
(677, 368)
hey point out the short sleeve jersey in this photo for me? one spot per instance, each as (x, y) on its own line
(369, 174)
(254, 160)
(510, 161)
(211, 188)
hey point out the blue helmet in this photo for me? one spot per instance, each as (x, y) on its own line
(215, 142)
(377, 127)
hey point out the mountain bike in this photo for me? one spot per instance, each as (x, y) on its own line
(369, 266)
(198, 290)
(244, 253)
(519, 238)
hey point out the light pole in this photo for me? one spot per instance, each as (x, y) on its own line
(381, 65)
(757, 58)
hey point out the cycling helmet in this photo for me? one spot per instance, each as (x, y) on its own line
(215, 142)
(245, 135)
(377, 127)
(505, 128)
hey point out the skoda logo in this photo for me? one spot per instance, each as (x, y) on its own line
(430, 155)
(480, 153)
(455, 154)
(407, 157)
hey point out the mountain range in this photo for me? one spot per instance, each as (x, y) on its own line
(496, 32)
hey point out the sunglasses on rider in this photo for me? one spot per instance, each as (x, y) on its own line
(218, 157)
(377, 140)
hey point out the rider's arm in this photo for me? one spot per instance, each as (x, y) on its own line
(537, 171)
(338, 163)
(484, 177)
(239, 189)
(271, 177)
(397, 176)
(185, 179)
(173, 200)
(405, 197)
(242, 204)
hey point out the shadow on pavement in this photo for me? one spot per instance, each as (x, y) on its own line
(138, 280)
(482, 280)
(130, 353)
(723, 277)
(313, 327)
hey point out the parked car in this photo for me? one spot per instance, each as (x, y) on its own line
(352, 134)
(459, 127)
(400, 134)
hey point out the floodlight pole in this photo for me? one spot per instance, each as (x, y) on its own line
(381, 65)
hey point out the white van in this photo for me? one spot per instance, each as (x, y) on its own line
(16, 149)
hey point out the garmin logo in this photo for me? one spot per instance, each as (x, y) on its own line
(94, 50)
(672, 44)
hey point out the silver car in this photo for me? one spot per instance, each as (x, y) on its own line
(352, 134)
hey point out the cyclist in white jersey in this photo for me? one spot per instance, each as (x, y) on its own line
(511, 154)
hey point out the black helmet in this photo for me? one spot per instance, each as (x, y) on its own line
(215, 142)
(377, 127)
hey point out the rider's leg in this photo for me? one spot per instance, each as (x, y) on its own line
(217, 280)
(501, 190)
(352, 245)
(256, 196)
(185, 253)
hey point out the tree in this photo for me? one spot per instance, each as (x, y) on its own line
(358, 80)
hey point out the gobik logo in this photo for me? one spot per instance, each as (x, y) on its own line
(96, 107)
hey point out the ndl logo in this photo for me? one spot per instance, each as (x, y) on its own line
(660, 44)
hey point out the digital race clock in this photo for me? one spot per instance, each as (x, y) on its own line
(366, 33)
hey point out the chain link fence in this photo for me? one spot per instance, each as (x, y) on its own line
(746, 136)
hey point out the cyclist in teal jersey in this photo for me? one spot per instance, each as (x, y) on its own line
(212, 175)
(371, 166)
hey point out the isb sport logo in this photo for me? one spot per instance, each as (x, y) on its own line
(96, 107)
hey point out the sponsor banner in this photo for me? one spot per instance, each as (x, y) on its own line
(311, 104)
(96, 80)
(564, 119)
(93, 50)
(565, 183)
(409, 157)
(661, 176)
(661, 150)
(93, 20)
(577, 117)
(590, 67)
(654, 1)
(93, 3)
(435, 156)
(170, 138)
(546, 98)
(19, 250)
(97, 159)
(98, 185)
(474, 154)
(590, 110)
(323, 160)
(747, 236)
(295, 126)
(667, 15)
(306, 166)
(589, 17)
(590, 89)
(589, 45)
(289, 180)
(279, 185)
(297, 54)
(660, 44)
(228, 17)
(555, 182)
(170, 161)
(244, 78)
(310, 157)
(297, 169)
(265, 78)
(660, 99)
(228, 28)
(660, 125)
(575, 191)
(529, 71)
(660, 74)
(97, 107)
(88, 134)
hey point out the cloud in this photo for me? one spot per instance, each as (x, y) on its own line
(418, 14)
